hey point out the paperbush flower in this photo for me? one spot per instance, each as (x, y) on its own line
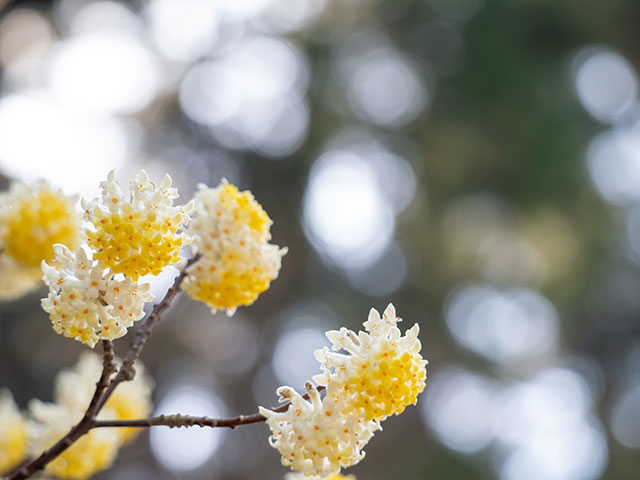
(138, 234)
(382, 371)
(17, 279)
(13, 433)
(231, 233)
(300, 476)
(89, 303)
(75, 387)
(33, 219)
(313, 437)
(91, 453)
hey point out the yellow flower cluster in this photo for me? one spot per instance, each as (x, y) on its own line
(36, 218)
(91, 453)
(16, 279)
(384, 371)
(13, 433)
(32, 220)
(74, 388)
(138, 235)
(381, 373)
(97, 449)
(231, 233)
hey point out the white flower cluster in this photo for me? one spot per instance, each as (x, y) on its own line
(231, 233)
(313, 437)
(88, 302)
(380, 374)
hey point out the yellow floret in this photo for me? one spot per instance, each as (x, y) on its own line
(386, 385)
(245, 209)
(135, 243)
(35, 222)
(13, 434)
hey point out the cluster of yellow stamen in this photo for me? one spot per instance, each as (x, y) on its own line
(244, 209)
(231, 233)
(33, 219)
(385, 385)
(138, 235)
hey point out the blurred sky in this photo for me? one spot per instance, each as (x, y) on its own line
(475, 162)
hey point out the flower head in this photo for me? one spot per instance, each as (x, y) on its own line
(74, 389)
(33, 219)
(313, 437)
(17, 279)
(139, 234)
(231, 233)
(89, 454)
(382, 371)
(13, 433)
(89, 303)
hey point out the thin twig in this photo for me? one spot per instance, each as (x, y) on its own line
(178, 420)
(108, 369)
(127, 370)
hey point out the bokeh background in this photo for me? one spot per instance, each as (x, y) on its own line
(475, 162)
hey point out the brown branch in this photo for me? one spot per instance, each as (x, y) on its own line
(108, 368)
(178, 420)
(127, 370)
